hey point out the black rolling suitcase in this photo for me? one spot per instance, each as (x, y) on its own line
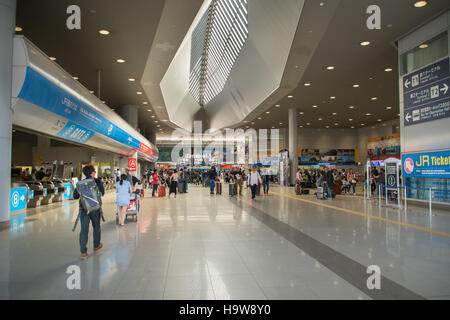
(232, 189)
(181, 187)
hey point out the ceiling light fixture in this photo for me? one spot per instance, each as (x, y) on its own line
(332, 98)
(104, 32)
(259, 118)
(356, 86)
(374, 98)
(388, 108)
(379, 120)
(420, 4)
(368, 114)
(139, 92)
(423, 46)
(18, 29)
(290, 97)
(301, 112)
(365, 43)
(307, 84)
(277, 106)
(388, 69)
(120, 60)
(75, 78)
(91, 91)
(351, 107)
(350, 120)
(330, 68)
(131, 79)
(52, 58)
(149, 110)
(315, 106)
(334, 113)
(145, 102)
(320, 119)
(268, 112)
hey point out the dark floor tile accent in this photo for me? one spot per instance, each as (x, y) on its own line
(346, 268)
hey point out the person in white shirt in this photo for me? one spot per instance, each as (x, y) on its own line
(253, 180)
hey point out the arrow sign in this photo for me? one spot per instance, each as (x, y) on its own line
(407, 83)
(22, 198)
(408, 116)
(445, 88)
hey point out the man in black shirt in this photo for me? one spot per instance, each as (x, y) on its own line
(330, 181)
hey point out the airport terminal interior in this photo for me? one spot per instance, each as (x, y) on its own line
(225, 150)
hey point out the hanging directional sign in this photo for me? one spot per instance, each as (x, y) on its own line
(426, 93)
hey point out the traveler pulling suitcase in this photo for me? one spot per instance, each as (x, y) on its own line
(161, 191)
(218, 187)
(232, 189)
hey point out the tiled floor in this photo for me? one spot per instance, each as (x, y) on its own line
(199, 246)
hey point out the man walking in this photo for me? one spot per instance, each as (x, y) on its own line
(89, 191)
(254, 179)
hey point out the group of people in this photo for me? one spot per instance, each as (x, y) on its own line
(36, 175)
(334, 180)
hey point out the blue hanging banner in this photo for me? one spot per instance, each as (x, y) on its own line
(426, 165)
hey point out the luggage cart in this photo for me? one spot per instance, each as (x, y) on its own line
(132, 210)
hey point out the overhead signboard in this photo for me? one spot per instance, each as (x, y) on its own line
(426, 165)
(132, 164)
(426, 94)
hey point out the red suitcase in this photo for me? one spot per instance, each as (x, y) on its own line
(161, 191)
(218, 187)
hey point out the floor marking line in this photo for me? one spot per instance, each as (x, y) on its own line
(441, 233)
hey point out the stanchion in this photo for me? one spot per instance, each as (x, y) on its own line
(405, 198)
(379, 196)
(431, 190)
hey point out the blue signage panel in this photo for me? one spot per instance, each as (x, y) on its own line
(17, 199)
(426, 165)
(76, 133)
(426, 94)
(68, 193)
(42, 92)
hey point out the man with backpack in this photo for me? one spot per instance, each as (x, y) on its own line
(89, 191)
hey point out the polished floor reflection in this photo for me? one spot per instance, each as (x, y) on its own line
(199, 246)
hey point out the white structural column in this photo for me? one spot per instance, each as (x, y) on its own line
(7, 24)
(293, 148)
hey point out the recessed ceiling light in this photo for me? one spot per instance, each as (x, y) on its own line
(362, 124)
(75, 78)
(149, 110)
(352, 127)
(139, 92)
(91, 91)
(328, 127)
(307, 84)
(332, 98)
(158, 126)
(365, 43)
(356, 86)
(336, 124)
(301, 112)
(388, 108)
(253, 123)
(273, 127)
(330, 68)
(267, 112)
(145, 102)
(156, 121)
(131, 79)
(153, 116)
(320, 119)
(103, 101)
(374, 98)
(281, 123)
(379, 120)
(259, 118)
(277, 106)
(52, 58)
(388, 69)
(290, 97)
(301, 127)
(368, 114)
(18, 29)
(315, 106)
(423, 46)
(420, 4)
(308, 124)
(104, 32)
(334, 113)
(120, 60)
(350, 120)
(351, 107)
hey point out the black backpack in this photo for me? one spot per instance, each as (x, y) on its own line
(89, 195)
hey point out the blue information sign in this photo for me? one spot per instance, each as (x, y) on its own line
(426, 165)
(17, 199)
(426, 93)
(68, 193)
